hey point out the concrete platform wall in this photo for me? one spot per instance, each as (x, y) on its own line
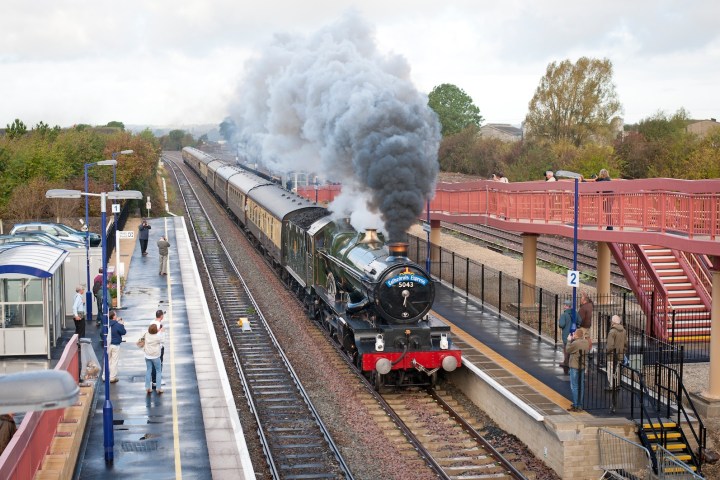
(566, 443)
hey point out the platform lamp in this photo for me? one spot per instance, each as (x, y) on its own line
(88, 292)
(108, 435)
(573, 275)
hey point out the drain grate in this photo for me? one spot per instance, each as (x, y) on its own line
(147, 446)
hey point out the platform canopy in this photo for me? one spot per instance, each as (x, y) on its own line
(31, 260)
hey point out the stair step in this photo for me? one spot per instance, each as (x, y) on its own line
(673, 292)
(669, 435)
(675, 279)
(686, 302)
(679, 470)
(672, 446)
(665, 424)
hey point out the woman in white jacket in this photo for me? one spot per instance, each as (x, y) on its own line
(152, 348)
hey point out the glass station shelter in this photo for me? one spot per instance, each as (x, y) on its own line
(31, 299)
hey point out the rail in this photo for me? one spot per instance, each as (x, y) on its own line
(25, 452)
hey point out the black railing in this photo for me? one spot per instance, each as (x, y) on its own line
(538, 309)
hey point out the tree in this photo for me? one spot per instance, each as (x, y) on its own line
(17, 129)
(228, 129)
(176, 140)
(574, 102)
(116, 124)
(454, 108)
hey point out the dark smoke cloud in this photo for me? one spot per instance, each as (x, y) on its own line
(331, 103)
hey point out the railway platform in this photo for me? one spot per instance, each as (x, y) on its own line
(192, 430)
(516, 378)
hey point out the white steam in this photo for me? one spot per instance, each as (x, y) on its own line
(332, 104)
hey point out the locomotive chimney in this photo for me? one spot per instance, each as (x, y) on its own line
(398, 249)
(370, 236)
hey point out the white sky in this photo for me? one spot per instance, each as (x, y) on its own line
(179, 62)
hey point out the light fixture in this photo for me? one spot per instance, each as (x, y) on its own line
(37, 390)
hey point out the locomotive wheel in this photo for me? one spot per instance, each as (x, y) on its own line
(433, 379)
(378, 381)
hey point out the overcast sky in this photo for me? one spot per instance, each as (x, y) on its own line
(180, 62)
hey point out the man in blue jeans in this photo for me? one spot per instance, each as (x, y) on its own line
(577, 350)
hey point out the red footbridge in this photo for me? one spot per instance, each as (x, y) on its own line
(663, 233)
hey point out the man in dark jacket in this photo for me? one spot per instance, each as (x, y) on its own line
(615, 349)
(144, 236)
(117, 330)
(565, 323)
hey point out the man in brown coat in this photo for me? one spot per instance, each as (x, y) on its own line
(615, 349)
(7, 430)
(586, 311)
(577, 349)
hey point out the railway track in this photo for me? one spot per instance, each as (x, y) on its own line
(446, 443)
(558, 253)
(294, 439)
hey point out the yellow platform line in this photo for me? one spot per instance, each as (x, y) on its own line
(509, 366)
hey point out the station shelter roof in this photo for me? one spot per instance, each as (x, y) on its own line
(32, 260)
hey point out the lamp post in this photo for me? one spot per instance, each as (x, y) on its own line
(88, 292)
(115, 226)
(116, 195)
(574, 273)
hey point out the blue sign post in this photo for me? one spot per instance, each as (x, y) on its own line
(573, 276)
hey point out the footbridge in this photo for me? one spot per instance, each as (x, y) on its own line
(663, 233)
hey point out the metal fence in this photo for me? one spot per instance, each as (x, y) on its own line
(621, 458)
(670, 467)
(539, 309)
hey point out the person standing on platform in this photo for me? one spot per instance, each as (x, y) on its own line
(577, 350)
(586, 311)
(565, 323)
(163, 249)
(117, 330)
(152, 349)
(79, 311)
(7, 430)
(144, 236)
(97, 291)
(159, 317)
(615, 349)
(604, 176)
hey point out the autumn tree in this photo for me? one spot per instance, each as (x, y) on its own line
(574, 102)
(455, 109)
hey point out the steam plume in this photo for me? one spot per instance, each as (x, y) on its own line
(331, 103)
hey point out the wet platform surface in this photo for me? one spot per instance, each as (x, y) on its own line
(186, 432)
(527, 366)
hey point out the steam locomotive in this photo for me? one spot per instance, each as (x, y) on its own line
(367, 294)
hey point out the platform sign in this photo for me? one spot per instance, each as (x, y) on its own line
(126, 234)
(115, 208)
(573, 278)
(426, 228)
